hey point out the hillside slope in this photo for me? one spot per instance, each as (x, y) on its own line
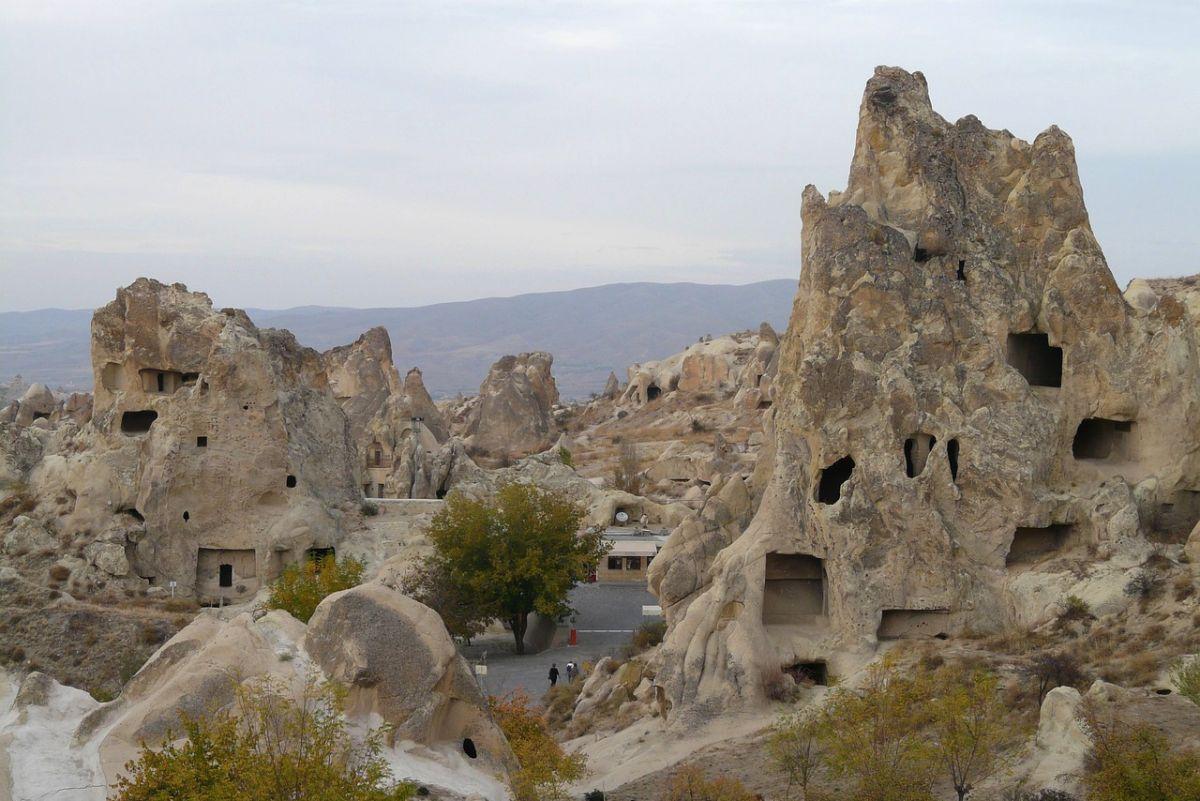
(590, 331)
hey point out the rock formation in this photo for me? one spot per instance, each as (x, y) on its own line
(513, 416)
(403, 441)
(392, 654)
(215, 453)
(721, 366)
(962, 393)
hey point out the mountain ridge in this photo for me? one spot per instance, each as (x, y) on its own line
(590, 331)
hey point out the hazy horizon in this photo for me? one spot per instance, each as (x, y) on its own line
(358, 154)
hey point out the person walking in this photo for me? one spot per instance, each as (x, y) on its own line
(553, 674)
(570, 672)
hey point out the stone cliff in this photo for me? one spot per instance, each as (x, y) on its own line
(962, 394)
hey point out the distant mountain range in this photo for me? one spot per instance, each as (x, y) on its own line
(590, 332)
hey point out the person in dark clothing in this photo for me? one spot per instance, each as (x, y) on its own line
(553, 674)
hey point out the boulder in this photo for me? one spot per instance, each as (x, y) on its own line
(28, 536)
(398, 661)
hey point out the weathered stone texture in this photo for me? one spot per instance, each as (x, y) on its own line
(960, 373)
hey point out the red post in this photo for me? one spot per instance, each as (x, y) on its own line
(573, 637)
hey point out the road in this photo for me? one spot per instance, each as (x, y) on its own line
(607, 616)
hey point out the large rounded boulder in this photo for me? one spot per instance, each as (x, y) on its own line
(398, 661)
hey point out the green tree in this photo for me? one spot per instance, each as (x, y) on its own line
(872, 737)
(301, 587)
(970, 724)
(430, 583)
(268, 746)
(519, 551)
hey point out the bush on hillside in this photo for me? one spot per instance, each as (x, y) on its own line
(303, 586)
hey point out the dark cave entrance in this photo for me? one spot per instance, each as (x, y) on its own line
(831, 479)
(1099, 438)
(1036, 359)
(138, 422)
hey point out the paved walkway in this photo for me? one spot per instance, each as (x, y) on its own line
(608, 614)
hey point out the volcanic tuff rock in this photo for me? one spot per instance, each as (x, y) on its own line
(513, 415)
(215, 453)
(424, 690)
(399, 455)
(962, 392)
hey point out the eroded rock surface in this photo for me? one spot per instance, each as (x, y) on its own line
(513, 415)
(962, 394)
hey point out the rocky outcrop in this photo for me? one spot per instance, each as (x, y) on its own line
(215, 453)
(962, 392)
(720, 366)
(398, 662)
(402, 439)
(513, 416)
(422, 689)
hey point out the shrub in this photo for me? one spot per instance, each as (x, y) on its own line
(1186, 678)
(59, 573)
(544, 767)
(648, 635)
(302, 586)
(1073, 608)
(269, 746)
(368, 508)
(691, 783)
(594, 795)
(564, 456)
(1142, 584)
(1050, 669)
(1136, 763)
(792, 747)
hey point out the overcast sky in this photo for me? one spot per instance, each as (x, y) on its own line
(396, 154)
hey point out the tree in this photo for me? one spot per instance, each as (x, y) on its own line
(970, 725)
(793, 748)
(544, 767)
(430, 583)
(627, 475)
(1136, 762)
(268, 746)
(301, 587)
(690, 783)
(871, 736)
(511, 554)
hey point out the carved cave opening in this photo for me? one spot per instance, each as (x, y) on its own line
(907, 624)
(831, 479)
(916, 453)
(952, 458)
(653, 392)
(1175, 518)
(138, 422)
(1036, 359)
(1030, 543)
(807, 674)
(793, 588)
(1100, 438)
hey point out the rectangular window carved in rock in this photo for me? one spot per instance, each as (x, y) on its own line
(1036, 359)
(793, 588)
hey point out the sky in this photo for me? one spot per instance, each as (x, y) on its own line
(278, 154)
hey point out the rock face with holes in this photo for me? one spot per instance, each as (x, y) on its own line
(403, 442)
(513, 416)
(740, 364)
(962, 395)
(215, 454)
